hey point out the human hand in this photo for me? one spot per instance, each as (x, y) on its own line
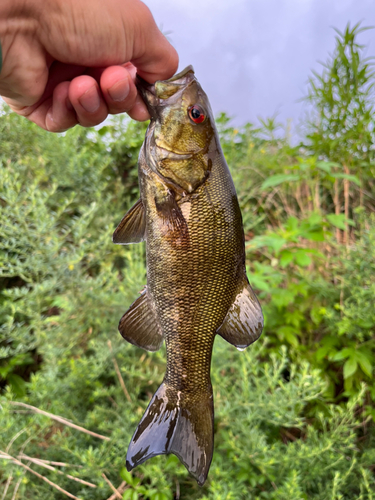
(74, 61)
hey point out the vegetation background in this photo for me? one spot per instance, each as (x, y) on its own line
(294, 413)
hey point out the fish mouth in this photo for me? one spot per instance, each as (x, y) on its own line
(160, 93)
(182, 74)
(147, 91)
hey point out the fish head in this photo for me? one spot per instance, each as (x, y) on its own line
(181, 137)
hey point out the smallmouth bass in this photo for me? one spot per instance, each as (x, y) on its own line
(197, 287)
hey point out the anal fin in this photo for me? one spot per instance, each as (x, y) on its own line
(132, 228)
(243, 323)
(139, 324)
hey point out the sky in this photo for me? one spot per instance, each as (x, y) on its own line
(254, 57)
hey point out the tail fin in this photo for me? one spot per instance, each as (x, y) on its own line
(176, 424)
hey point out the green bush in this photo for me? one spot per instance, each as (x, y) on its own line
(294, 414)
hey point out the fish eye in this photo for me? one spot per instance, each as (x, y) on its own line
(196, 114)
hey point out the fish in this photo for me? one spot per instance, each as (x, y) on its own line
(188, 215)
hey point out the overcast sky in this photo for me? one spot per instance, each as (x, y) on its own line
(253, 57)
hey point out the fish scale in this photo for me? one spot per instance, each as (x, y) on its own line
(197, 288)
(212, 250)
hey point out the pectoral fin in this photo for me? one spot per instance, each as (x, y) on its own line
(173, 224)
(243, 323)
(139, 325)
(132, 228)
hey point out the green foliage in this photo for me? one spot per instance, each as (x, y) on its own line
(294, 414)
(343, 99)
(308, 214)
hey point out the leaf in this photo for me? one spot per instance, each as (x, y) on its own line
(273, 241)
(337, 220)
(292, 224)
(277, 179)
(302, 258)
(317, 235)
(365, 323)
(316, 315)
(364, 363)
(127, 494)
(134, 495)
(325, 165)
(4, 370)
(282, 297)
(243, 475)
(102, 131)
(291, 339)
(126, 476)
(347, 352)
(286, 257)
(352, 178)
(315, 219)
(17, 384)
(350, 367)
(322, 352)
(259, 283)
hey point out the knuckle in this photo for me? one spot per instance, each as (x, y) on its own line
(145, 14)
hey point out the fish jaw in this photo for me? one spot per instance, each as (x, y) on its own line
(162, 90)
(177, 148)
(159, 94)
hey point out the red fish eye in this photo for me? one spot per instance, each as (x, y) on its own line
(196, 114)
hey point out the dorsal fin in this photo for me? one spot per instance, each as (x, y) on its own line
(132, 228)
(243, 323)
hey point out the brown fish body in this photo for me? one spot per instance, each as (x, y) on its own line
(196, 277)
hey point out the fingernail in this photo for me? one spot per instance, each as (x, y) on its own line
(119, 91)
(90, 100)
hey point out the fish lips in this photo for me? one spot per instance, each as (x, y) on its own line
(147, 91)
(164, 92)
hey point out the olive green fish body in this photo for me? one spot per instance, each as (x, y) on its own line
(192, 275)
(196, 279)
